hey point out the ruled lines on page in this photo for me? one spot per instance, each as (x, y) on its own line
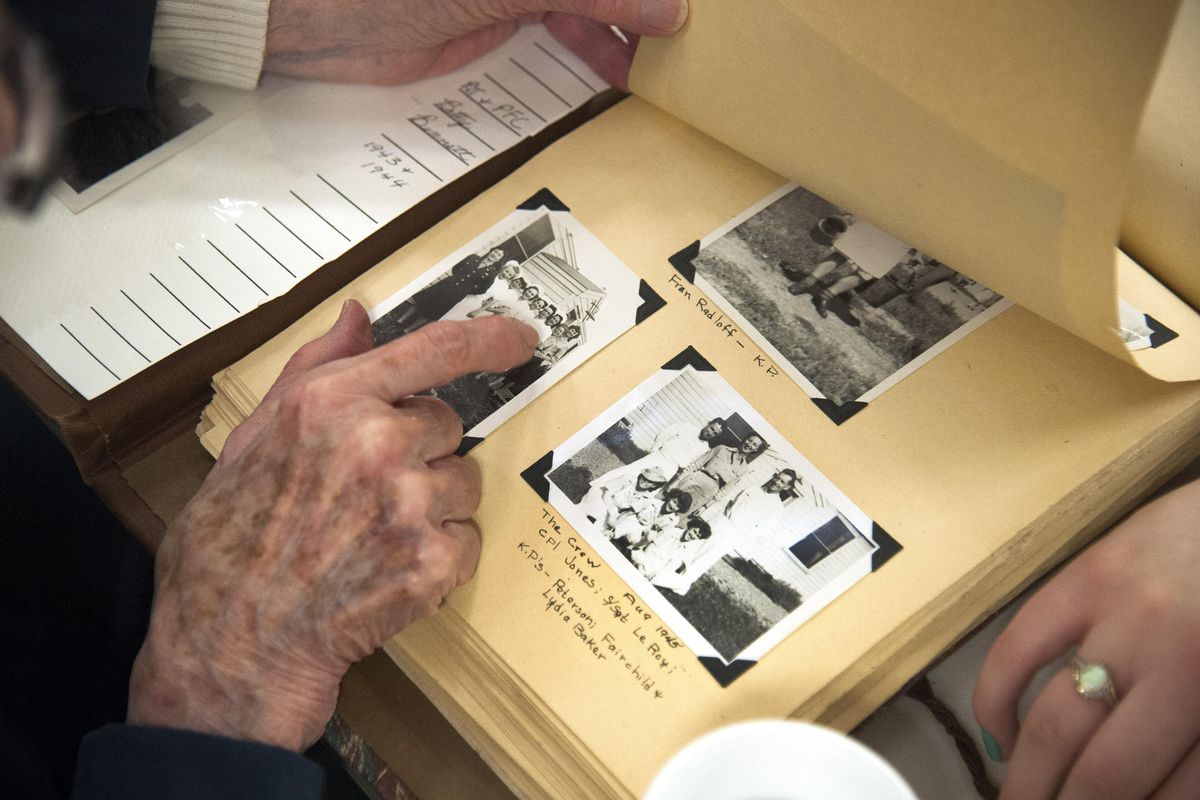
(241, 216)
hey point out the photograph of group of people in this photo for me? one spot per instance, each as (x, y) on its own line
(693, 496)
(540, 267)
(843, 306)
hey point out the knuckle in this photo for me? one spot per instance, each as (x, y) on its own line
(370, 439)
(434, 567)
(449, 343)
(451, 551)
(438, 415)
(466, 472)
(412, 505)
(436, 558)
(302, 401)
(1152, 602)
(605, 9)
(451, 418)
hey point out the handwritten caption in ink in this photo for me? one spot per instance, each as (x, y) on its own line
(388, 164)
(611, 626)
(721, 322)
(507, 114)
(430, 125)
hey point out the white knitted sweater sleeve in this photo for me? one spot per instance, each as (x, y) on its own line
(221, 41)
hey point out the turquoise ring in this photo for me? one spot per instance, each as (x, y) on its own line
(1093, 681)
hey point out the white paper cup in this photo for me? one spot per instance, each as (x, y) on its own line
(777, 760)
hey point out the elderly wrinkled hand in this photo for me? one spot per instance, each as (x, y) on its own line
(1131, 604)
(337, 514)
(396, 41)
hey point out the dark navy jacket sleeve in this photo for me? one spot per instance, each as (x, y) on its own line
(101, 48)
(127, 762)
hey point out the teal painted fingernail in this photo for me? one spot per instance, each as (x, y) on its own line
(991, 747)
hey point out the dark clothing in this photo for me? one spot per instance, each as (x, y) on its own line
(75, 592)
(101, 48)
(126, 762)
(465, 278)
(520, 378)
(430, 304)
(67, 644)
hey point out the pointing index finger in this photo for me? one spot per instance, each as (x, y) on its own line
(438, 353)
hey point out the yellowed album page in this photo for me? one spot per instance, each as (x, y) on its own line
(997, 137)
(981, 464)
(1160, 226)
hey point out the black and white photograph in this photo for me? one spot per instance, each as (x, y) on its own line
(107, 149)
(540, 267)
(844, 307)
(729, 533)
(1140, 331)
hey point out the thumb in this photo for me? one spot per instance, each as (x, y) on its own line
(349, 336)
(608, 56)
(644, 17)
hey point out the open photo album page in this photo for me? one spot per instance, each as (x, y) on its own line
(726, 530)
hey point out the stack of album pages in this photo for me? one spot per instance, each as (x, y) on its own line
(781, 444)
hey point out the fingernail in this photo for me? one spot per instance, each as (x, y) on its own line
(664, 15)
(345, 309)
(991, 747)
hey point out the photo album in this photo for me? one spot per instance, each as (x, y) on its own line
(820, 383)
(724, 528)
